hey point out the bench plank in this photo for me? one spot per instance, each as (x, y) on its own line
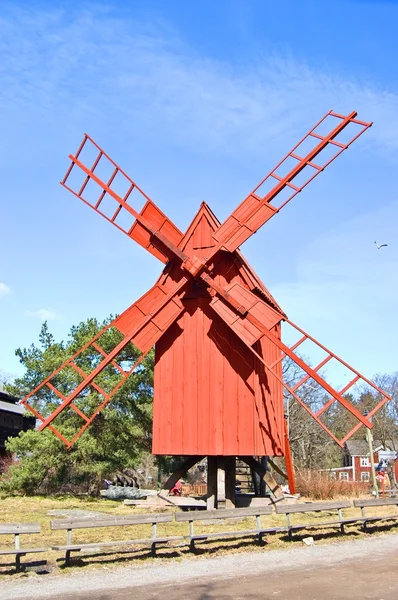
(141, 541)
(381, 518)
(15, 528)
(312, 525)
(287, 509)
(110, 521)
(205, 536)
(22, 551)
(375, 502)
(228, 513)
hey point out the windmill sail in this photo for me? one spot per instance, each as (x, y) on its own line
(259, 320)
(96, 366)
(289, 177)
(107, 189)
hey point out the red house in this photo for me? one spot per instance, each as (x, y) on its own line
(356, 460)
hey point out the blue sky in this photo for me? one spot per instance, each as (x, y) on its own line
(198, 101)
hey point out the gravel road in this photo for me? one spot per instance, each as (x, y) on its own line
(361, 569)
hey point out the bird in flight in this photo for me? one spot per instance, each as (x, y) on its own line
(378, 246)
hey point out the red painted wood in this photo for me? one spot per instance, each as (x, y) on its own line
(141, 225)
(212, 395)
(289, 463)
(218, 380)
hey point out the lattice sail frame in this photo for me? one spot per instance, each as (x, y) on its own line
(142, 324)
(258, 322)
(150, 227)
(257, 208)
(244, 312)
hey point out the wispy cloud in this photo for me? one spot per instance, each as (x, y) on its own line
(148, 79)
(137, 87)
(43, 314)
(5, 290)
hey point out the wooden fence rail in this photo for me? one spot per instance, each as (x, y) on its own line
(191, 517)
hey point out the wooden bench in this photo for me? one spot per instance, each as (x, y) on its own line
(17, 529)
(124, 521)
(364, 503)
(289, 509)
(233, 513)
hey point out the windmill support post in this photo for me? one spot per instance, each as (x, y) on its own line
(221, 479)
(289, 462)
(369, 438)
(188, 463)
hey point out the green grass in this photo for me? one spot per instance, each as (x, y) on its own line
(35, 509)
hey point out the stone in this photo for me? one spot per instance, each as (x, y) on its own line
(115, 492)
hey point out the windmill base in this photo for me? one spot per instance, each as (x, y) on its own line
(221, 479)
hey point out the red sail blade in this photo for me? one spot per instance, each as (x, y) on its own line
(258, 322)
(141, 325)
(289, 177)
(107, 189)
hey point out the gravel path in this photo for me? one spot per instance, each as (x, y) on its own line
(105, 580)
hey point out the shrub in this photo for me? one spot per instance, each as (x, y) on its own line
(318, 486)
(5, 463)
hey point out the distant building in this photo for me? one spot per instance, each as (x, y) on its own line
(12, 419)
(356, 460)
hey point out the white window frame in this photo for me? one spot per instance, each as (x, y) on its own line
(344, 476)
(364, 461)
(365, 477)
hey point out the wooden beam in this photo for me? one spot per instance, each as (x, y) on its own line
(180, 472)
(276, 492)
(211, 499)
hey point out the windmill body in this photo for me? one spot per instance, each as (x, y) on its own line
(215, 327)
(212, 394)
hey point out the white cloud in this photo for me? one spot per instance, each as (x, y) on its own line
(149, 80)
(44, 314)
(5, 290)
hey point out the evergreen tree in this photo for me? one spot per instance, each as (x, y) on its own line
(117, 438)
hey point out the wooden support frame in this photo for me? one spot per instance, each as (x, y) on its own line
(221, 478)
(18, 529)
(275, 490)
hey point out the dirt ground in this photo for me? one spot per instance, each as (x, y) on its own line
(361, 569)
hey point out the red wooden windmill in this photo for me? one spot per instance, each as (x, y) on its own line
(215, 327)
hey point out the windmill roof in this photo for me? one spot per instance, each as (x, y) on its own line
(252, 279)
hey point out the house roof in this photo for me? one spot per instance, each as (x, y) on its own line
(10, 404)
(361, 447)
(12, 408)
(7, 398)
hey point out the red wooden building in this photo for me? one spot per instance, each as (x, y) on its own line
(212, 396)
(356, 460)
